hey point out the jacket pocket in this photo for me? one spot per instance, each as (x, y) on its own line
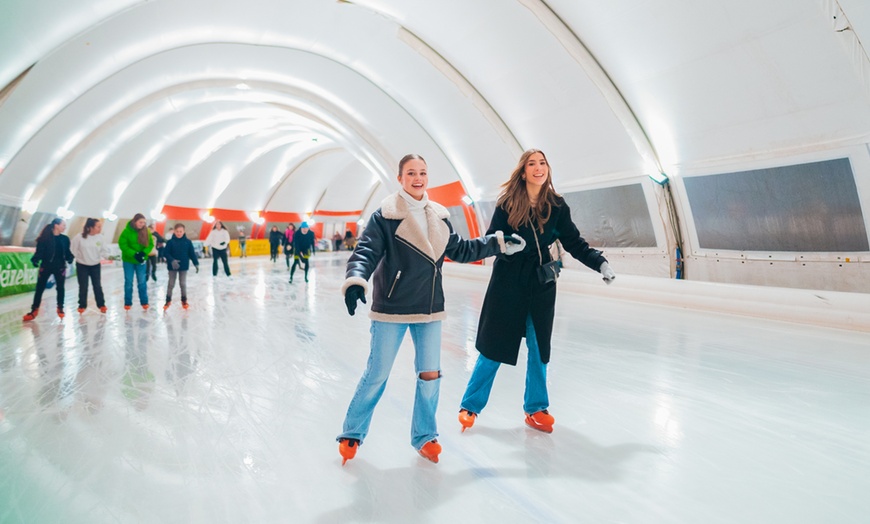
(395, 281)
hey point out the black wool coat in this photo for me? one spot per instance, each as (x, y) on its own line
(514, 291)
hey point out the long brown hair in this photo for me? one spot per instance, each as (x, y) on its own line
(514, 198)
(89, 225)
(144, 234)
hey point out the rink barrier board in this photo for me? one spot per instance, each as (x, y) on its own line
(832, 309)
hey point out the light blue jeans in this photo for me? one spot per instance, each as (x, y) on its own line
(480, 384)
(386, 339)
(141, 283)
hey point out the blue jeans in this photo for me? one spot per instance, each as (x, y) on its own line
(480, 384)
(386, 339)
(141, 282)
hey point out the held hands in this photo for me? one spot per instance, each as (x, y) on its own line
(353, 294)
(175, 265)
(607, 274)
(139, 256)
(514, 244)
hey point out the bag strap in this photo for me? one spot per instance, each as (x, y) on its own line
(538, 244)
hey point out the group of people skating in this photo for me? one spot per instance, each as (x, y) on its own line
(139, 255)
(401, 251)
(298, 245)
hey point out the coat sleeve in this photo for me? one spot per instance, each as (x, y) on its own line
(191, 254)
(573, 243)
(39, 255)
(460, 250)
(104, 248)
(74, 246)
(68, 256)
(124, 243)
(368, 253)
(169, 253)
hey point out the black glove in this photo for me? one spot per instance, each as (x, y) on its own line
(34, 262)
(353, 294)
(197, 269)
(139, 256)
(176, 264)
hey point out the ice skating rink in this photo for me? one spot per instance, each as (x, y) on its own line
(228, 412)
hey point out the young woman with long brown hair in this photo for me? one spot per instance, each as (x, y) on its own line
(521, 297)
(135, 243)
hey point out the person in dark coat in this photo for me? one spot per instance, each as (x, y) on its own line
(276, 238)
(179, 254)
(288, 243)
(519, 303)
(155, 255)
(51, 257)
(303, 248)
(402, 250)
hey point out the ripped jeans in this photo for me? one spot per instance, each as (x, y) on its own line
(386, 340)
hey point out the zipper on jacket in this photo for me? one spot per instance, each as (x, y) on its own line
(432, 301)
(395, 281)
(415, 249)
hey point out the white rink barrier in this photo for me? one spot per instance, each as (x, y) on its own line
(833, 309)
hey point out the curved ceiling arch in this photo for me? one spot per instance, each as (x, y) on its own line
(156, 184)
(123, 152)
(375, 28)
(227, 82)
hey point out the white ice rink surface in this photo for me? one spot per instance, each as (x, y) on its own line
(228, 412)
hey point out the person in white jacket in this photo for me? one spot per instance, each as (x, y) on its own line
(218, 241)
(90, 248)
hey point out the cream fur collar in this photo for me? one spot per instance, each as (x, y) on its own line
(394, 207)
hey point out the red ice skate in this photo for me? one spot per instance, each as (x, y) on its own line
(466, 418)
(30, 316)
(127, 307)
(81, 310)
(145, 307)
(60, 312)
(103, 309)
(542, 421)
(166, 305)
(431, 450)
(347, 448)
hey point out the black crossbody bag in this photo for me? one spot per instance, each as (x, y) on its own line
(548, 272)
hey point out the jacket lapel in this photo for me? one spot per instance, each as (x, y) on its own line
(394, 207)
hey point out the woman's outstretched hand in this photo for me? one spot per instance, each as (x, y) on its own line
(606, 273)
(353, 294)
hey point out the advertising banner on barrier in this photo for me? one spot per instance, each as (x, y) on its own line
(17, 274)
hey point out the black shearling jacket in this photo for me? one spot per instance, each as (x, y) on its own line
(404, 266)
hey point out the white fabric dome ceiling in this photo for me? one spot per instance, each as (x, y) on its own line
(127, 106)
